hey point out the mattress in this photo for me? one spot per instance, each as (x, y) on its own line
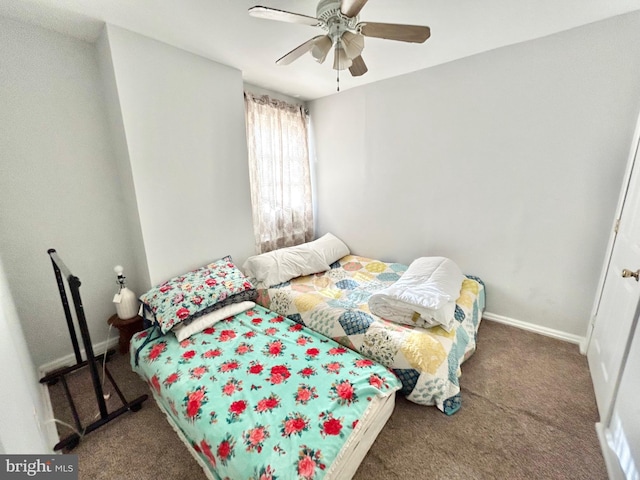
(260, 396)
(335, 304)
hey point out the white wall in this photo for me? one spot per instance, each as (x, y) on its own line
(21, 406)
(509, 162)
(118, 140)
(183, 118)
(59, 185)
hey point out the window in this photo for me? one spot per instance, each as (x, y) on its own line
(277, 140)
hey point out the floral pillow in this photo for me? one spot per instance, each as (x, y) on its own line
(195, 293)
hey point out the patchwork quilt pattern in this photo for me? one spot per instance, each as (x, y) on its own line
(335, 304)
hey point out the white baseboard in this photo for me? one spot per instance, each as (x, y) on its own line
(546, 331)
(70, 359)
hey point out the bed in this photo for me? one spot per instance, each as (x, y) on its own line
(256, 395)
(334, 303)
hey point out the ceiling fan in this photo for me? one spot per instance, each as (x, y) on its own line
(345, 33)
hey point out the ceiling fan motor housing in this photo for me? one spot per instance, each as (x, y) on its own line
(329, 12)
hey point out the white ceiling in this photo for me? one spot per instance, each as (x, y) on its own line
(223, 31)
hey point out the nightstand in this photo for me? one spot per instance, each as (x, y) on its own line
(127, 329)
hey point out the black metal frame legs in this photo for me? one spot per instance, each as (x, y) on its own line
(91, 361)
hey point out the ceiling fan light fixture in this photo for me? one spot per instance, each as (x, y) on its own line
(341, 60)
(353, 44)
(321, 48)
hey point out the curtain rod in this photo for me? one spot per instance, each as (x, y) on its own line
(275, 101)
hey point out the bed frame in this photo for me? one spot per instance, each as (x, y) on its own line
(71, 441)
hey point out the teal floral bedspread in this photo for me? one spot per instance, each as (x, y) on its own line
(335, 304)
(260, 396)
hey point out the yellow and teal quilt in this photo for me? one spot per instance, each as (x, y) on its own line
(335, 304)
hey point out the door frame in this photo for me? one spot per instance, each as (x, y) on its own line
(633, 152)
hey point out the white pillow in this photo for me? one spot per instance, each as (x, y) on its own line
(330, 247)
(278, 266)
(183, 331)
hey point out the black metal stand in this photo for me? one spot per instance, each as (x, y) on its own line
(92, 361)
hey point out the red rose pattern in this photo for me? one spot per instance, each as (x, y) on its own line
(267, 404)
(155, 383)
(294, 424)
(231, 387)
(307, 372)
(274, 348)
(302, 340)
(244, 348)
(193, 403)
(226, 448)
(363, 363)
(212, 353)
(343, 392)
(187, 356)
(308, 461)
(157, 350)
(376, 381)
(333, 367)
(229, 366)
(206, 450)
(196, 373)
(226, 335)
(254, 438)
(279, 374)
(305, 394)
(312, 353)
(255, 368)
(171, 379)
(329, 425)
(332, 427)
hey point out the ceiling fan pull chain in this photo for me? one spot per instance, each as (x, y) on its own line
(337, 54)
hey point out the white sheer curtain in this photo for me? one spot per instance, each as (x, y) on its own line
(277, 138)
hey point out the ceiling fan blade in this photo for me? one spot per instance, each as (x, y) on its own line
(394, 31)
(283, 16)
(321, 48)
(340, 59)
(351, 8)
(353, 44)
(298, 51)
(358, 67)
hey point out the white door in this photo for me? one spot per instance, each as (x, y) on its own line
(620, 296)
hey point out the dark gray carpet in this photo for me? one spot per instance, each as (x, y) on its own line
(528, 412)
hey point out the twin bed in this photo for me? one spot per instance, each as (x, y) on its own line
(300, 384)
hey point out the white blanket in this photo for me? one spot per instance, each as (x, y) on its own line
(424, 296)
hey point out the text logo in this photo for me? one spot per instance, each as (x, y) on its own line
(51, 467)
